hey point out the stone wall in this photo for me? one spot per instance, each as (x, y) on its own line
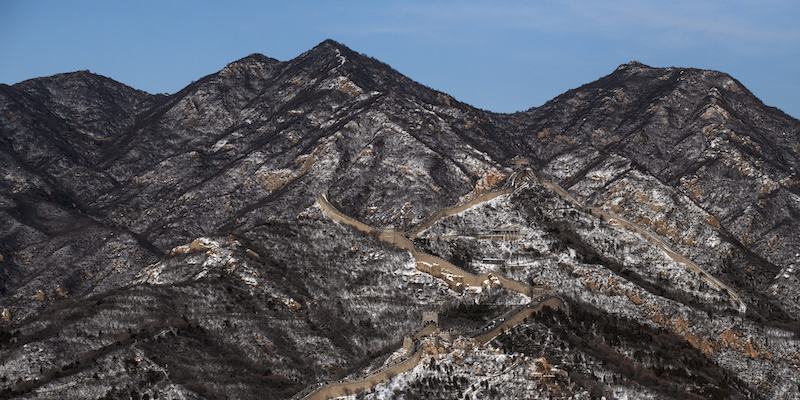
(338, 216)
(457, 209)
(516, 319)
(435, 266)
(340, 389)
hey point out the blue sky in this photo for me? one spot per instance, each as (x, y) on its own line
(502, 56)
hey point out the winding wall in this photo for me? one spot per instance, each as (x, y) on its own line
(439, 268)
(425, 262)
(442, 269)
(337, 215)
(412, 233)
(691, 265)
(518, 318)
(339, 389)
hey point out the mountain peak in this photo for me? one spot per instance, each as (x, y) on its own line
(84, 77)
(253, 65)
(256, 58)
(633, 65)
(331, 51)
(333, 58)
(332, 44)
(326, 49)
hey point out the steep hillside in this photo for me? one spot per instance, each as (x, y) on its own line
(173, 245)
(700, 147)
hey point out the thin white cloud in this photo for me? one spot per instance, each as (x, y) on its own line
(734, 23)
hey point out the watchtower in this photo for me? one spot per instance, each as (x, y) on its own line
(430, 316)
(521, 162)
(407, 343)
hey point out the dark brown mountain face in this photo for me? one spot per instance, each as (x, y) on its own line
(705, 139)
(173, 246)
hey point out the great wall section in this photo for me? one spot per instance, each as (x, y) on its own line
(599, 213)
(458, 279)
(439, 268)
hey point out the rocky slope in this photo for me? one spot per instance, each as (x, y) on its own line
(158, 245)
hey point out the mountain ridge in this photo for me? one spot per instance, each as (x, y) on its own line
(215, 186)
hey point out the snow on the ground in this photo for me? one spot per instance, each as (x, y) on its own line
(464, 369)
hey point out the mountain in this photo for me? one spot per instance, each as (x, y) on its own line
(178, 246)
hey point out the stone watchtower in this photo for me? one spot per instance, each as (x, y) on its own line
(521, 162)
(430, 316)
